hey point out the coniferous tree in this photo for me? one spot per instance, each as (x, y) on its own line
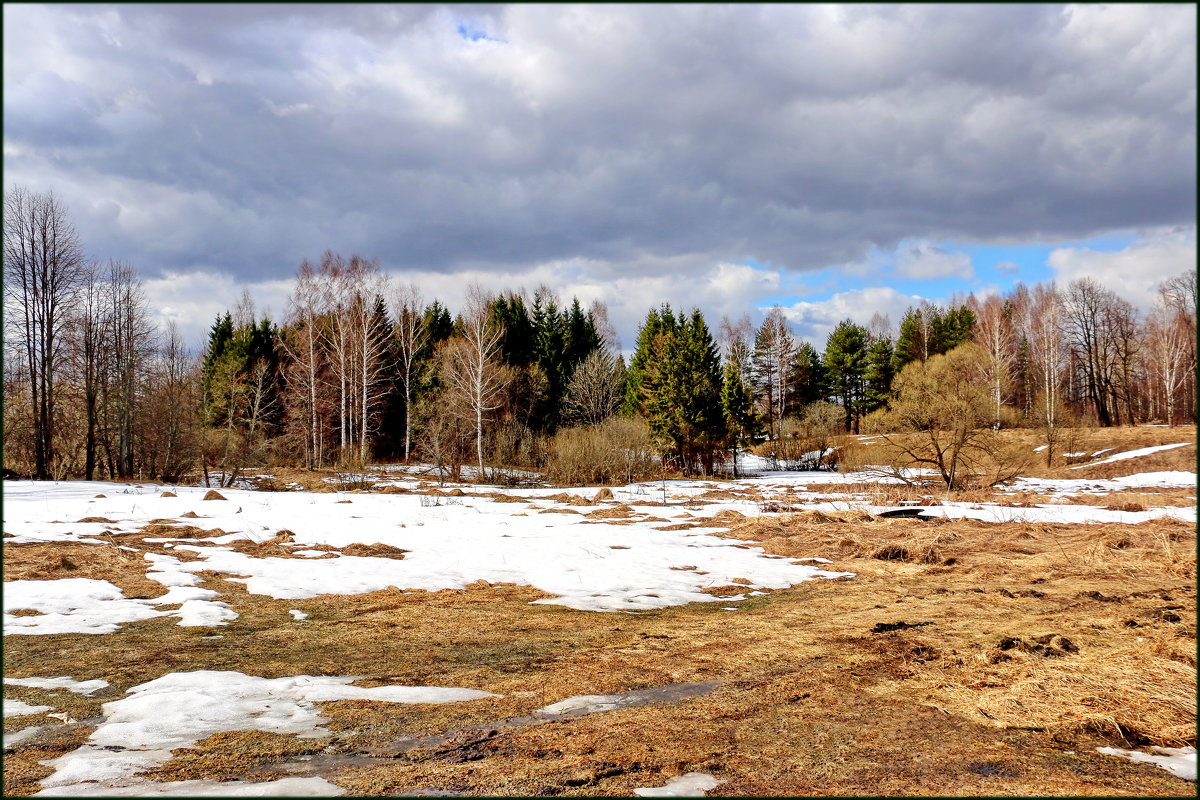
(658, 322)
(772, 359)
(738, 409)
(879, 373)
(810, 379)
(682, 391)
(846, 362)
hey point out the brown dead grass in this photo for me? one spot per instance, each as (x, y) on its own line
(621, 511)
(103, 562)
(978, 693)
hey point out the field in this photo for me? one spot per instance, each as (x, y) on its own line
(783, 634)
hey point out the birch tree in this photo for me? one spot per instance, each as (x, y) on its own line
(774, 349)
(996, 336)
(411, 336)
(303, 344)
(474, 374)
(43, 267)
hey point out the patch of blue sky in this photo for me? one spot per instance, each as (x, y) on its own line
(473, 34)
(998, 266)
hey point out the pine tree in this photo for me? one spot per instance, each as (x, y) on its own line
(658, 322)
(772, 358)
(846, 361)
(517, 347)
(879, 373)
(737, 407)
(682, 394)
(810, 381)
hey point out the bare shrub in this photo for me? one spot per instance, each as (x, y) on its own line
(617, 450)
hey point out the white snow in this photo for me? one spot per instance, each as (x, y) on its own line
(1145, 451)
(70, 605)
(297, 614)
(692, 784)
(80, 687)
(1171, 479)
(16, 708)
(136, 787)
(586, 703)
(15, 738)
(181, 708)
(1179, 761)
(449, 547)
(87, 605)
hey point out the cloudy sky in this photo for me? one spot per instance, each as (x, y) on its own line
(834, 160)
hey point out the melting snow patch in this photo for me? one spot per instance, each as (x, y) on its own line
(693, 784)
(15, 708)
(181, 708)
(1145, 451)
(284, 787)
(297, 614)
(14, 739)
(86, 605)
(80, 687)
(1179, 761)
(70, 605)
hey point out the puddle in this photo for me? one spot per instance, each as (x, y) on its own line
(472, 742)
(570, 708)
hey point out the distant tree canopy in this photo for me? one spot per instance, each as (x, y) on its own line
(358, 369)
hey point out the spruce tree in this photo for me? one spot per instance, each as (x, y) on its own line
(681, 389)
(737, 407)
(658, 322)
(846, 361)
(810, 380)
(880, 371)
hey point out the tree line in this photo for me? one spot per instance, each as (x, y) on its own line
(361, 368)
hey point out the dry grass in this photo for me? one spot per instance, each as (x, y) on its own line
(1023, 646)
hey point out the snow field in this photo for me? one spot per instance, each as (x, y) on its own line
(594, 567)
(181, 708)
(598, 566)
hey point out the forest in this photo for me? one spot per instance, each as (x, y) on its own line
(363, 369)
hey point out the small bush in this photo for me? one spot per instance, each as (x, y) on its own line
(614, 451)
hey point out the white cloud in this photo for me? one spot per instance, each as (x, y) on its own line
(1135, 272)
(814, 321)
(194, 299)
(923, 259)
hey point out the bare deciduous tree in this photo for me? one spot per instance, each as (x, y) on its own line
(411, 336)
(474, 374)
(1094, 350)
(774, 349)
(303, 344)
(596, 389)
(129, 342)
(995, 334)
(43, 267)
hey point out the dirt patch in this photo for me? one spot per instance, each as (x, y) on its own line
(213, 494)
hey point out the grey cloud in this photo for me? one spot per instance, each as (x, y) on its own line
(796, 135)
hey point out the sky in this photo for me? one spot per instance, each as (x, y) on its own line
(837, 161)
